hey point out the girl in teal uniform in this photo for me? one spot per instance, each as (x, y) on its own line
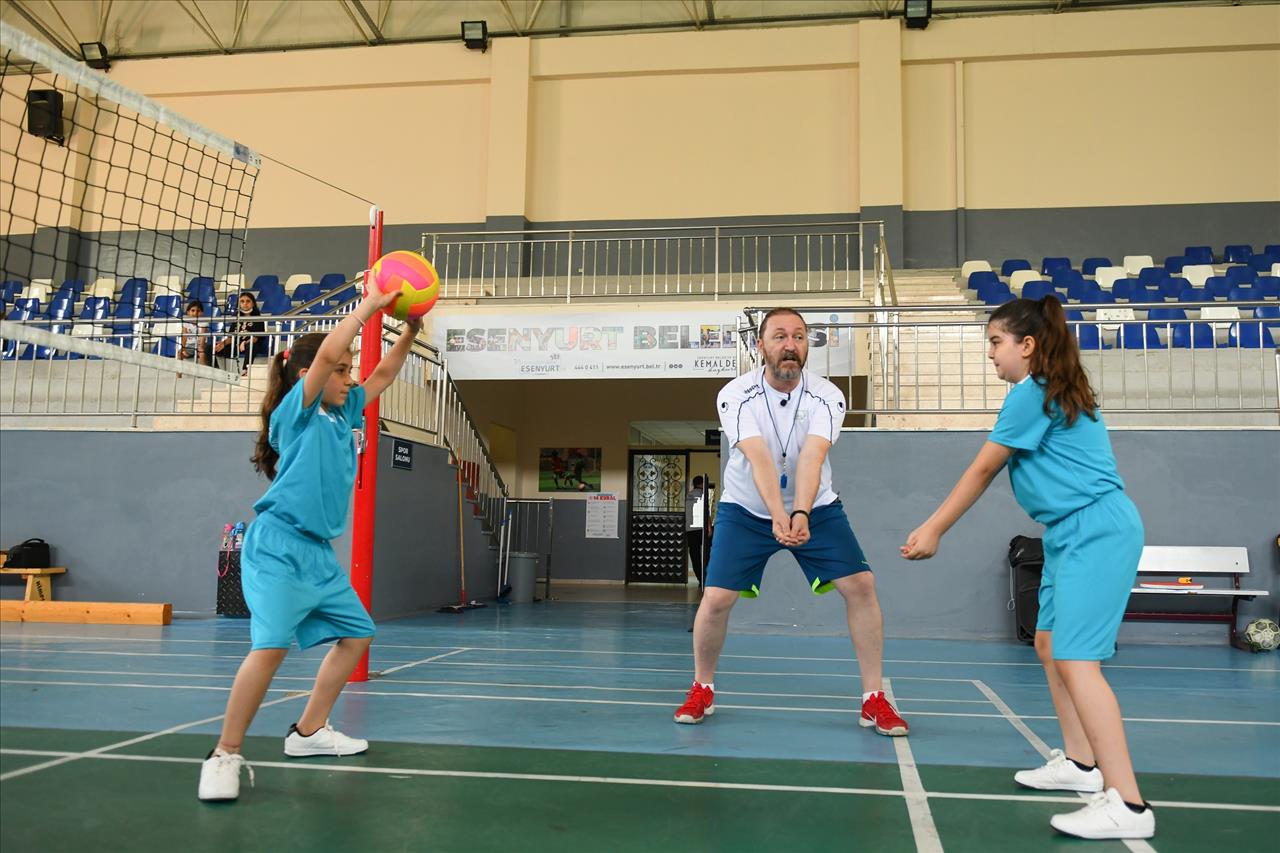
(1051, 437)
(292, 582)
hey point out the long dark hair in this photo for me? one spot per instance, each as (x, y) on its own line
(1055, 361)
(283, 375)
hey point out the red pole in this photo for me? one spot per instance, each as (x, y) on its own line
(367, 464)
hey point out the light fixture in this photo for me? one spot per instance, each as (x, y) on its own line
(475, 35)
(917, 13)
(95, 55)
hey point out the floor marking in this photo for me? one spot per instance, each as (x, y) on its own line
(313, 764)
(1135, 846)
(360, 689)
(685, 655)
(385, 672)
(94, 753)
(922, 826)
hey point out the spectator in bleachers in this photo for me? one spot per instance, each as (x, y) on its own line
(246, 338)
(193, 345)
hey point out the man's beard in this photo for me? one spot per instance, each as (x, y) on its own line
(786, 371)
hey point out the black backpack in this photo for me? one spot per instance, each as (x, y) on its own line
(32, 554)
(1026, 562)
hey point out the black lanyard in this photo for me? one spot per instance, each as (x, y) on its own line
(794, 417)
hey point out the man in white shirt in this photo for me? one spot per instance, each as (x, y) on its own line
(697, 515)
(781, 421)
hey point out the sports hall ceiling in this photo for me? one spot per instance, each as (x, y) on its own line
(152, 28)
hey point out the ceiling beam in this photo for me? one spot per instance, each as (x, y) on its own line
(242, 11)
(102, 26)
(203, 25)
(692, 12)
(533, 16)
(53, 7)
(711, 11)
(378, 37)
(354, 22)
(43, 29)
(511, 18)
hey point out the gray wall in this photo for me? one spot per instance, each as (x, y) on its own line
(137, 516)
(575, 557)
(1210, 487)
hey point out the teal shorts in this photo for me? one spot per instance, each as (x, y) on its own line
(1090, 564)
(295, 589)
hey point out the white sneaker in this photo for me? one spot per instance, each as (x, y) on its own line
(1106, 816)
(220, 775)
(323, 741)
(1060, 774)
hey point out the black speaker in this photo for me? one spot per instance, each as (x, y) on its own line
(44, 114)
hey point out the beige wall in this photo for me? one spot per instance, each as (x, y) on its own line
(1165, 105)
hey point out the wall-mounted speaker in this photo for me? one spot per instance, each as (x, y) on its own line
(44, 114)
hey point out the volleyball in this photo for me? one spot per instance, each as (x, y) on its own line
(413, 277)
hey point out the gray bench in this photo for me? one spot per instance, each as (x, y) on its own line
(1202, 564)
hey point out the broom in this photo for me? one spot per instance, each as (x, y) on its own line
(463, 604)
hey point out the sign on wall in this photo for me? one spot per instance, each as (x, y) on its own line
(641, 344)
(602, 517)
(401, 454)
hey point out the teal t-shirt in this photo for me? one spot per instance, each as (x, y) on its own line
(1055, 469)
(317, 467)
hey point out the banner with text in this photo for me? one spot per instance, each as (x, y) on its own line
(642, 344)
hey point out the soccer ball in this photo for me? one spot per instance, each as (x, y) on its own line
(1262, 635)
(410, 275)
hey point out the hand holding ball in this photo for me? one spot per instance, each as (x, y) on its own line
(412, 277)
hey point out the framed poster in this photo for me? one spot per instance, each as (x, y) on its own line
(569, 469)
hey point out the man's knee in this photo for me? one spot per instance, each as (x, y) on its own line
(717, 600)
(1044, 647)
(857, 588)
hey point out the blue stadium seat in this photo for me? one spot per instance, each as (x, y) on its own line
(1090, 265)
(1243, 293)
(267, 281)
(347, 295)
(331, 280)
(1078, 289)
(1086, 333)
(201, 288)
(1269, 313)
(1123, 288)
(1218, 286)
(997, 297)
(1272, 249)
(1198, 254)
(1048, 266)
(982, 277)
(167, 306)
(1241, 275)
(73, 288)
(1038, 289)
(20, 313)
(1132, 334)
(1146, 295)
(1250, 336)
(1172, 286)
(123, 330)
(136, 291)
(1193, 336)
(1195, 294)
(1238, 253)
(1152, 275)
(1155, 314)
(1012, 265)
(276, 304)
(1098, 296)
(306, 292)
(1261, 264)
(1175, 263)
(1268, 286)
(9, 290)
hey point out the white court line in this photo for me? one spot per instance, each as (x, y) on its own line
(1135, 846)
(313, 765)
(678, 688)
(359, 689)
(686, 655)
(385, 672)
(922, 826)
(94, 753)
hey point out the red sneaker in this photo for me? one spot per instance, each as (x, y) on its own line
(700, 702)
(877, 711)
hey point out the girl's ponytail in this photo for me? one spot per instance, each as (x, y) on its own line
(283, 374)
(1055, 361)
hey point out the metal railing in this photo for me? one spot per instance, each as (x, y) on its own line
(711, 261)
(933, 360)
(528, 525)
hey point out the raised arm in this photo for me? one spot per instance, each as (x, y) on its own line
(389, 367)
(923, 541)
(338, 342)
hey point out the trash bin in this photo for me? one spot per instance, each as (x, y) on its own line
(522, 575)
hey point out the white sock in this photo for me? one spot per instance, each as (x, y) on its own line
(869, 694)
(711, 685)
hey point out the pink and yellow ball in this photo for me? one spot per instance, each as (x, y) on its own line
(410, 275)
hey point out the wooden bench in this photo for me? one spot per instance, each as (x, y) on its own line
(39, 581)
(86, 612)
(1201, 563)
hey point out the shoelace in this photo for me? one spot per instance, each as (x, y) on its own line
(237, 758)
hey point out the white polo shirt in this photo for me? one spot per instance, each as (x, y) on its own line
(749, 406)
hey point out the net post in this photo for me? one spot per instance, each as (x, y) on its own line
(367, 464)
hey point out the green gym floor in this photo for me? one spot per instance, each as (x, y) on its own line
(548, 727)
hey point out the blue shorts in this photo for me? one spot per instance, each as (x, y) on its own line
(1090, 564)
(743, 543)
(295, 589)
